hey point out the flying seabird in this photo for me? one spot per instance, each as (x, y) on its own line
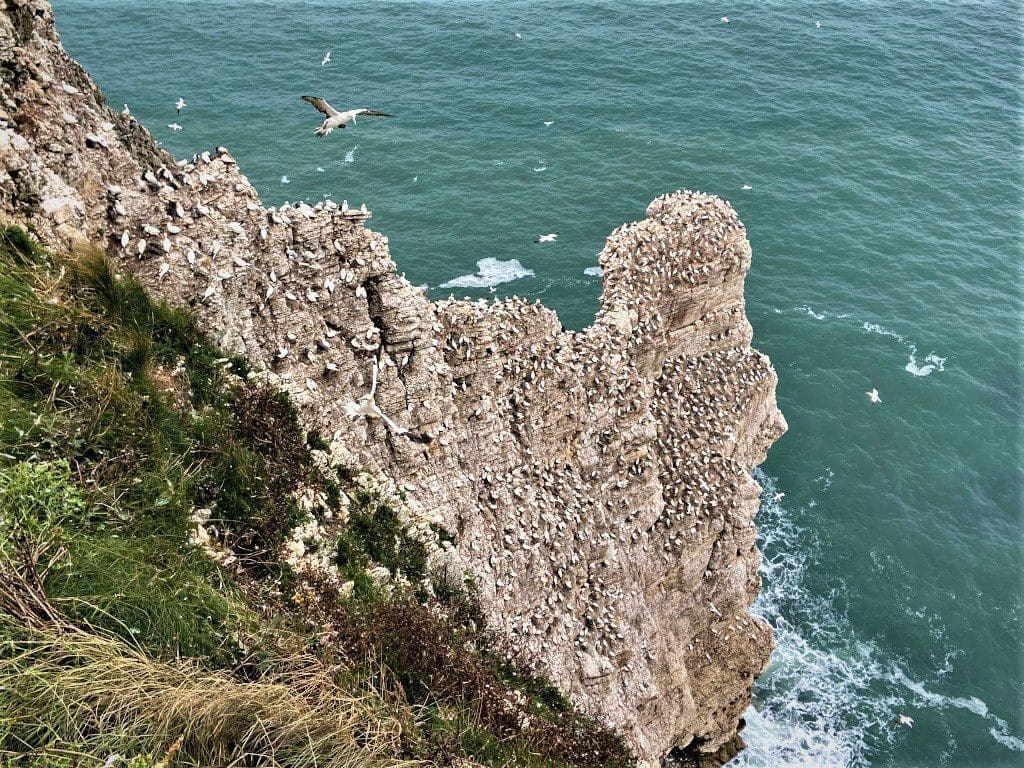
(747, 187)
(906, 720)
(367, 406)
(326, 59)
(180, 105)
(547, 238)
(336, 119)
(725, 19)
(174, 127)
(873, 395)
(817, 25)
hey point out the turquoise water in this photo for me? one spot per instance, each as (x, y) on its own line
(883, 155)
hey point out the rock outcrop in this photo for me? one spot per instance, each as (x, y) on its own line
(598, 481)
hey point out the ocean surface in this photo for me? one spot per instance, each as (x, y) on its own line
(876, 161)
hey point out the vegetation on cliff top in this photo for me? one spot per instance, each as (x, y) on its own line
(148, 487)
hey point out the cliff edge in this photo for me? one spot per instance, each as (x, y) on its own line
(598, 482)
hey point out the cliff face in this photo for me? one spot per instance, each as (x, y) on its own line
(598, 481)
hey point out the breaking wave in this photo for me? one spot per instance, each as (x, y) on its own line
(491, 272)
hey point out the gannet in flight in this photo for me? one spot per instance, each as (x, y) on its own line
(174, 126)
(367, 406)
(547, 238)
(905, 720)
(336, 119)
(326, 59)
(873, 396)
(180, 105)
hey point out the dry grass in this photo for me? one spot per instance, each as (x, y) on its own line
(97, 693)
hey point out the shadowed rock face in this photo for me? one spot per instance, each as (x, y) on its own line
(598, 481)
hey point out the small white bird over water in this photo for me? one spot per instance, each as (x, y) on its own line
(905, 720)
(174, 127)
(746, 187)
(817, 25)
(180, 105)
(873, 396)
(725, 19)
(326, 60)
(336, 119)
(547, 238)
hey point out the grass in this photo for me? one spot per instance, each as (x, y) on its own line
(95, 693)
(119, 635)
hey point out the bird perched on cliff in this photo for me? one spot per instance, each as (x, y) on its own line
(873, 396)
(336, 119)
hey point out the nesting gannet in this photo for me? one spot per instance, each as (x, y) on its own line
(336, 119)
(174, 127)
(547, 238)
(873, 396)
(326, 60)
(126, 111)
(180, 105)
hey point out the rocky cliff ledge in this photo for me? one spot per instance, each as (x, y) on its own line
(598, 481)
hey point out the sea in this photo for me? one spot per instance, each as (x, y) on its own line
(873, 151)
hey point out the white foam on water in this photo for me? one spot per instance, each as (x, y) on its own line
(932, 362)
(593, 271)
(350, 156)
(829, 698)
(922, 697)
(815, 315)
(491, 272)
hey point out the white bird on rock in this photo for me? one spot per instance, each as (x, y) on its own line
(334, 118)
(367, 406)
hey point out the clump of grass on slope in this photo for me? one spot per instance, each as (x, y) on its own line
(90, 691)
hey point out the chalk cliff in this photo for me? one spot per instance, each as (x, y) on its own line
(598, 481)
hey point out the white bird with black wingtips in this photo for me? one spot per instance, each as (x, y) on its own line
(334, 118)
